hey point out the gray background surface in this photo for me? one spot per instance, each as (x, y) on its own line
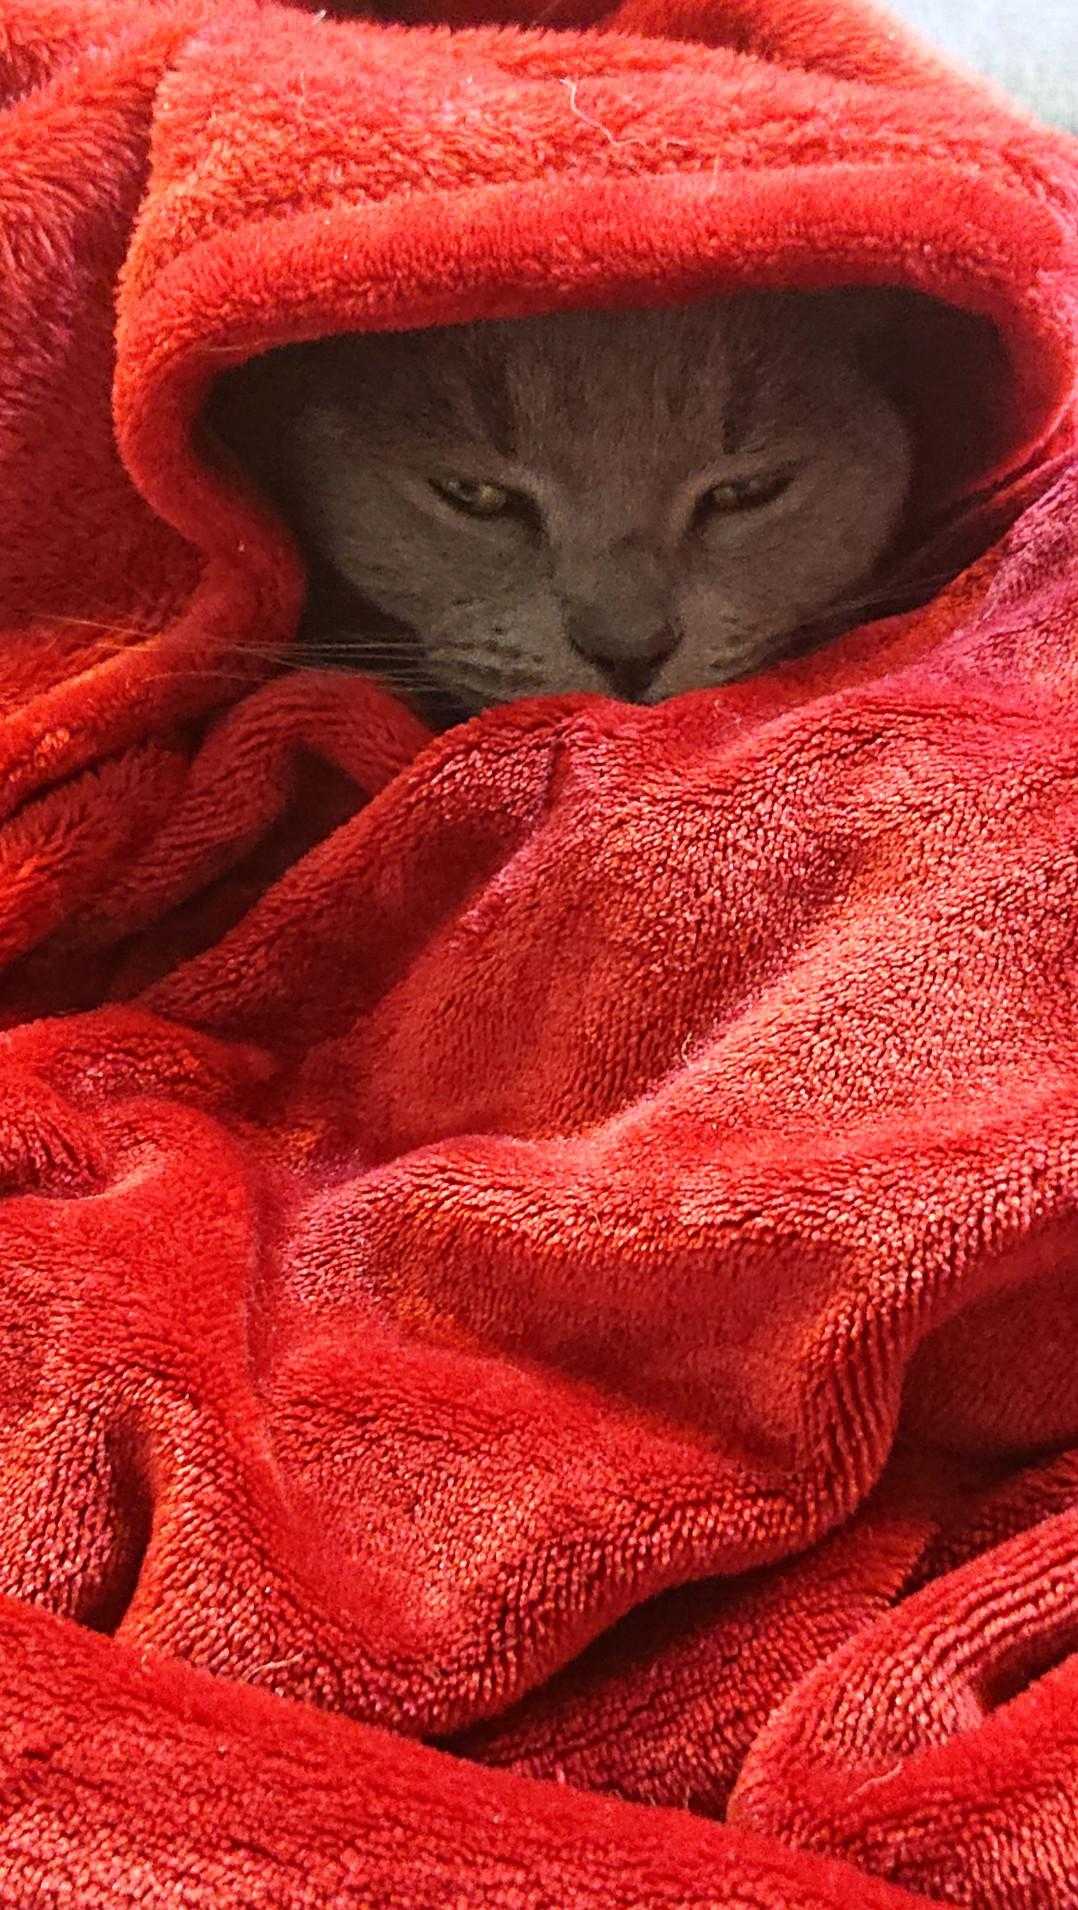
(1030, 47)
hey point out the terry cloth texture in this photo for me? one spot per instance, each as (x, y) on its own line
(539, 1266)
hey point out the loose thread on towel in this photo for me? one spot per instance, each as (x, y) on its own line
(571, 88)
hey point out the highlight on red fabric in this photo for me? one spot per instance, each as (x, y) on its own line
(538, 1324)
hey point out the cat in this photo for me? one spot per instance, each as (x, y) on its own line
(635, 503)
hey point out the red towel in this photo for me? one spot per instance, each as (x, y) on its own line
(542, 1261)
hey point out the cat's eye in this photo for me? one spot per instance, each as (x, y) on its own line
(477, 497)
(745, 493)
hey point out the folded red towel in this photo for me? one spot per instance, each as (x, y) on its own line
(559, 1238)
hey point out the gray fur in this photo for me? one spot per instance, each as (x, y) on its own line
(612, 573)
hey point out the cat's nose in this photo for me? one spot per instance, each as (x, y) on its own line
(630, 662)
(630, 678)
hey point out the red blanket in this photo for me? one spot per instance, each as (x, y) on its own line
(537, 1262)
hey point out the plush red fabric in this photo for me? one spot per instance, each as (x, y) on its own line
(556, 1240)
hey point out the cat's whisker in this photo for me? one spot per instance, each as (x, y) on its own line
(352, 654)
(107, 626)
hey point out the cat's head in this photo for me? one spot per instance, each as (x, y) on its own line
(634, 503)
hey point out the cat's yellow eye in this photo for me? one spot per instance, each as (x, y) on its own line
(746, 493)
(477, 497)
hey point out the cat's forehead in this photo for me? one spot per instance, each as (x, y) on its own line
(575, 373)
(568, 384)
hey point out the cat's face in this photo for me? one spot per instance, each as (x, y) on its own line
(637, 504)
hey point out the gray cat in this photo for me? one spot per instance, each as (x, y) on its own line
(635, 503)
